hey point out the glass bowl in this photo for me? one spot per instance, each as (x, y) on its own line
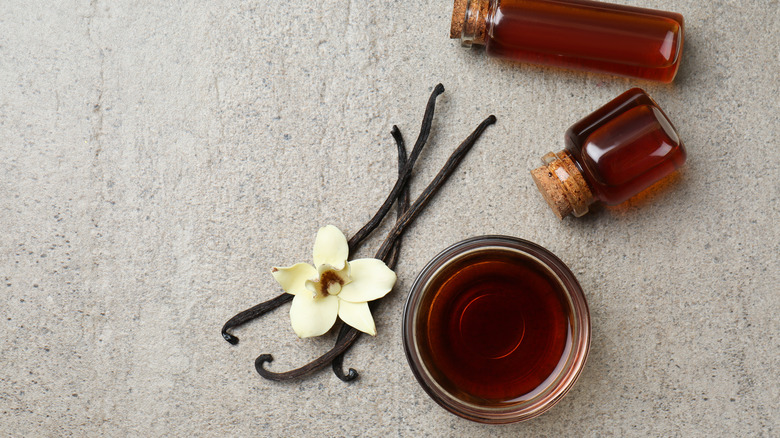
(496, 329)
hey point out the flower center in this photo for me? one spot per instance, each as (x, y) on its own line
(330, 283)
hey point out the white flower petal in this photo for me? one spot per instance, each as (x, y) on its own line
(371, 279)
(331, 248)
(357, 315)
(313, 316)
(293, 278)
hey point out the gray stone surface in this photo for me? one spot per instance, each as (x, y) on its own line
(159, 157)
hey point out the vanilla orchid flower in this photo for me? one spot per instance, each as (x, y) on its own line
(335, 287)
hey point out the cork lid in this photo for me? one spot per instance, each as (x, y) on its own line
(551, 190)
(562, 185)
(469, 21)
(458, 17)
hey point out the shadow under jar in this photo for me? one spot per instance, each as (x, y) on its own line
(496, 329)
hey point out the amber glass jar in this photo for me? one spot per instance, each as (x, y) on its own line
(578, 34)
(614, 153)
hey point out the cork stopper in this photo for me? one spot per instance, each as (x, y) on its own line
(458, 17)
(562, 185)
(469, 21)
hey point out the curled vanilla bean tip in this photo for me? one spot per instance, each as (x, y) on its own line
(337, 365)
(342, 344)
(263, 358)
(228, 337)
(338, 362)
(253, 313)
(348, 377)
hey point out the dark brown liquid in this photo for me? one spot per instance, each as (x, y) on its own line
(495, 328)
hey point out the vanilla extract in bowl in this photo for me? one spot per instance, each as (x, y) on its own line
(496, 329)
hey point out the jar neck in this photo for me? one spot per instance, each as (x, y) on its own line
(470, 20)
(562, 185)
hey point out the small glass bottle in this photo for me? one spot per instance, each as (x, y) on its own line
(611, 155)
(579, 34)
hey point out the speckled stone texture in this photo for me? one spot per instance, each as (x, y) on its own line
(159, 157)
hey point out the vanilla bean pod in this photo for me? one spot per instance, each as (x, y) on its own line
(403, 200)
(401, 206)
(384, 251)
(438, 181)
(357, 239)
(405, 174)
(253, 313)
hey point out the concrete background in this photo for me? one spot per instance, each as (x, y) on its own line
(159, 157)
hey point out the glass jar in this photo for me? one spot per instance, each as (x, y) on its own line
(578, 34)
(611, 155)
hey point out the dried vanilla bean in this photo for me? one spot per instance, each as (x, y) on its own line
(357, 239)
(383, 253)
(433, 187)
(388, 252)
(402, 205)
(406, 172)
(253, 313)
